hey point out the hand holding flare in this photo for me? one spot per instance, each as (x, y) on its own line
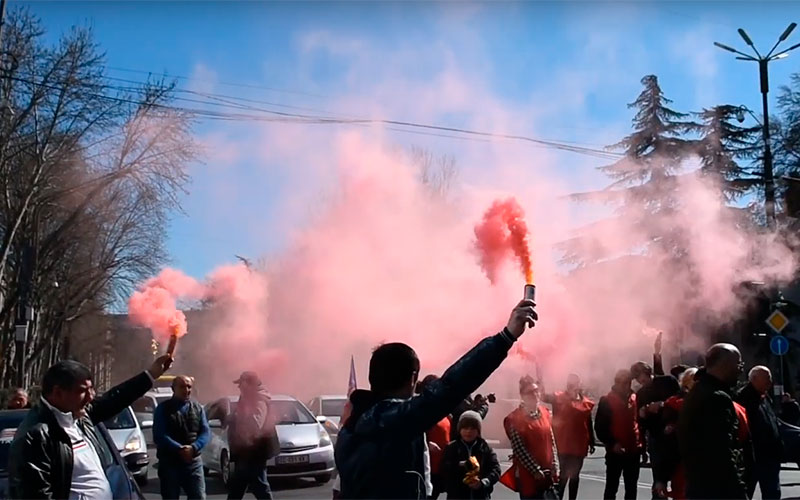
(173, 341)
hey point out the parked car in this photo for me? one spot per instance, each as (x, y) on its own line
(130, 441)
(144, 408)
(329, 410)
(123, 485)
(306, 447)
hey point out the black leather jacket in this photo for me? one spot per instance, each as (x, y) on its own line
(709, 443)
(381, 454)
(40, 459)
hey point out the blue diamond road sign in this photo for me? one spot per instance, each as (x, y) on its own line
(779, 345)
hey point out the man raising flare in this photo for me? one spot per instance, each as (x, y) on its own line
(380, 451)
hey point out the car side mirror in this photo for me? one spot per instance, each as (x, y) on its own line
(321, 419)
(215, 423)
(146, 424)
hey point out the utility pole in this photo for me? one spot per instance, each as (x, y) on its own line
(763, 71)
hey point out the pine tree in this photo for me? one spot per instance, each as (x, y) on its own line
(644, 178)
(724, 146)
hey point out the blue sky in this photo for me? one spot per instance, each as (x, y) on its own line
(556, 70)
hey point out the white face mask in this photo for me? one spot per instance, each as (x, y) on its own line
(635, 385)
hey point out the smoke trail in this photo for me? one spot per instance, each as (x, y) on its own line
(503, 229)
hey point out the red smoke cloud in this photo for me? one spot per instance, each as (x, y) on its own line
(503, 230)
(154, 305)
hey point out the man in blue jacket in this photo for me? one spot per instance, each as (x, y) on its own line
(381, 451)
(180, 431)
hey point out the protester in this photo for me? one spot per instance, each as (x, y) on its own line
(180, 432)
(55, 449)
(767, 444)
(671, 469)
(617, 427)
(746, 442)
(708, 429)
(438, 438)
(456, 464)
(535, 466)
(650, 398)
(380, 452)
(18, 399)
(572, 425)
(346, 412)
(252, 439)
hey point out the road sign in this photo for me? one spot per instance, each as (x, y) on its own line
(777, 321)
(779, 345)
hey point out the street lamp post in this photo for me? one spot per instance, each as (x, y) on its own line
(763, 71)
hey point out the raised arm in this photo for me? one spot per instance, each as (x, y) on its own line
(438, 399)
(123, 395)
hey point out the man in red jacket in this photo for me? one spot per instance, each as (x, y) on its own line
(617, 427)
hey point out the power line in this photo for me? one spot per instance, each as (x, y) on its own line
(290, 117)
(228, 84)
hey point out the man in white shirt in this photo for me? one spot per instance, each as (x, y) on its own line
(55, 452)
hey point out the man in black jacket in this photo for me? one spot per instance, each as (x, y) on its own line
(767, 444)
(380, 452)
(650, 398)
(708, 430)
(55, 450)
(252, 438)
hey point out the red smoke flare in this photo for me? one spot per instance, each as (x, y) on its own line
(154, 305)
(503, 229)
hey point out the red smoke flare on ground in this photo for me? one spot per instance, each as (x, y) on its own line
(503, 229)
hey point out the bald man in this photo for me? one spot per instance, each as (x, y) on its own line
(767, 443)
(180, 431)
(708, 429)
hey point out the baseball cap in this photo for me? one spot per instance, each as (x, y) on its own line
(248, 378)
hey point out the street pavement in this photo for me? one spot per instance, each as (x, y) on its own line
(592, 483)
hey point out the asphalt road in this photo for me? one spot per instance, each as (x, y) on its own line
(592, 484)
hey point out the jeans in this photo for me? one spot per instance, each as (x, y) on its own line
(767, 474)
(175, 475)
(252, 475)
(571, 466)
(627, 466)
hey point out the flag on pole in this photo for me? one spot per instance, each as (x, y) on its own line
(352, 385)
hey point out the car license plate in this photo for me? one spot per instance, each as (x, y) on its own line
(292, 459)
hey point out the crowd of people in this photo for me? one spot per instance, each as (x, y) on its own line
(55, 451)
(701, 436)
(406, 438)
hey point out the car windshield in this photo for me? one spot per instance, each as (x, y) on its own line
(333, 407)
(8, 426)
(123, 420)
(147, 404)
(290, 412)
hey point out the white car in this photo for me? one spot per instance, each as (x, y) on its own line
(130, 441)
(329, 410)
(145, 406)
(306, 448)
